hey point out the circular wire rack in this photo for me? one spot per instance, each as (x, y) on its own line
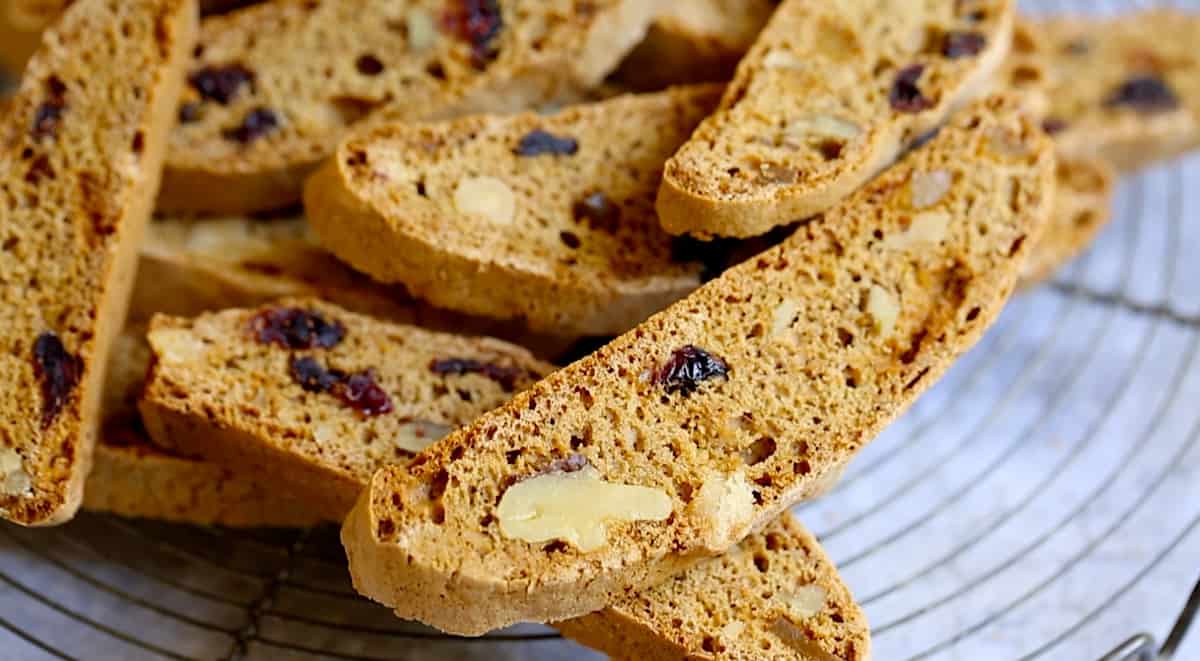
(1043, 501)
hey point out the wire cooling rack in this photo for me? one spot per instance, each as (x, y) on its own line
(1043, 502)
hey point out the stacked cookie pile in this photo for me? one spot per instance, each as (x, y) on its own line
(752, 233)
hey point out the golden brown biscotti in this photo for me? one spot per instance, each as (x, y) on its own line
(275, 86)
(316, 396)
(775, 596)
(192, 266)
(131, 477)
(545, 219)
(1124, 88)
(704, 423)
(1082, 207)
(22, 22)
(694, 41)
(829, 95)
(83, 148)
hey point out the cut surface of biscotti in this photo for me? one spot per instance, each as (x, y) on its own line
(1125, 88)
(829, 94)
(694, 41)
(22, 22)
(774, 596)
(134, 478)
(190, 266)
(701, 425)
(547, 219)
(83, 147)
(1083, 200)
(316, 396)
(273, 87)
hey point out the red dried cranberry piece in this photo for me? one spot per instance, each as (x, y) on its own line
(58, 371)
(1052, 125)
(46, 119)
(906, 96)
(220, 84)
(598, 212)
(476, 22)
(1145, 94)
(312, 376)
(963, 44)
(255, 124)
(189, 112)
(48, 115)
(505, 376)
(294, 328)
(688, 367)
(538, 142)
(360, 392)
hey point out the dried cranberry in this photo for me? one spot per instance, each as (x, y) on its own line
(505, 376)
(1052, 125)
(476, 22)
(598, 212)
(58, 371)
(46, 119)
(688, 367)
(220, 84)
(906, 96)
(963, 44)
(294, 328)
(48, 115)
(715, 256)
(360, 392)
(312, 376)
(189, 112)
(538, 142)
(1145, 94)
(255, 124)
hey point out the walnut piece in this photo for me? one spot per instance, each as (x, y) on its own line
(576, 508)
(805, 602)
(882, 306)
(487, 197)
(926, 228)
(928, 188)
(417, 435)
(723, 508)
(176, 346)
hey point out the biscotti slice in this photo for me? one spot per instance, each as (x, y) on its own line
(83, 147)
(1082, 207)
(775, 596)
(274, 87)
(828, 96)
(22, 22)
(694, 41)
(190, 266)
(134, 478)
(547, 219)
(701, 425)
(1124, 88)
(316, 396)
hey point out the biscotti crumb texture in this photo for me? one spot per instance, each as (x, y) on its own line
(84, 142)
(694, 41)
(1083, 200)
(273, 87)
(1125, 89)
(736, 402)
(774, 596)
(132, 477)
(545, 219)
(318, 397)
(829, 95)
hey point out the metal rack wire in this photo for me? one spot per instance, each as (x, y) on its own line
(1042, 502)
